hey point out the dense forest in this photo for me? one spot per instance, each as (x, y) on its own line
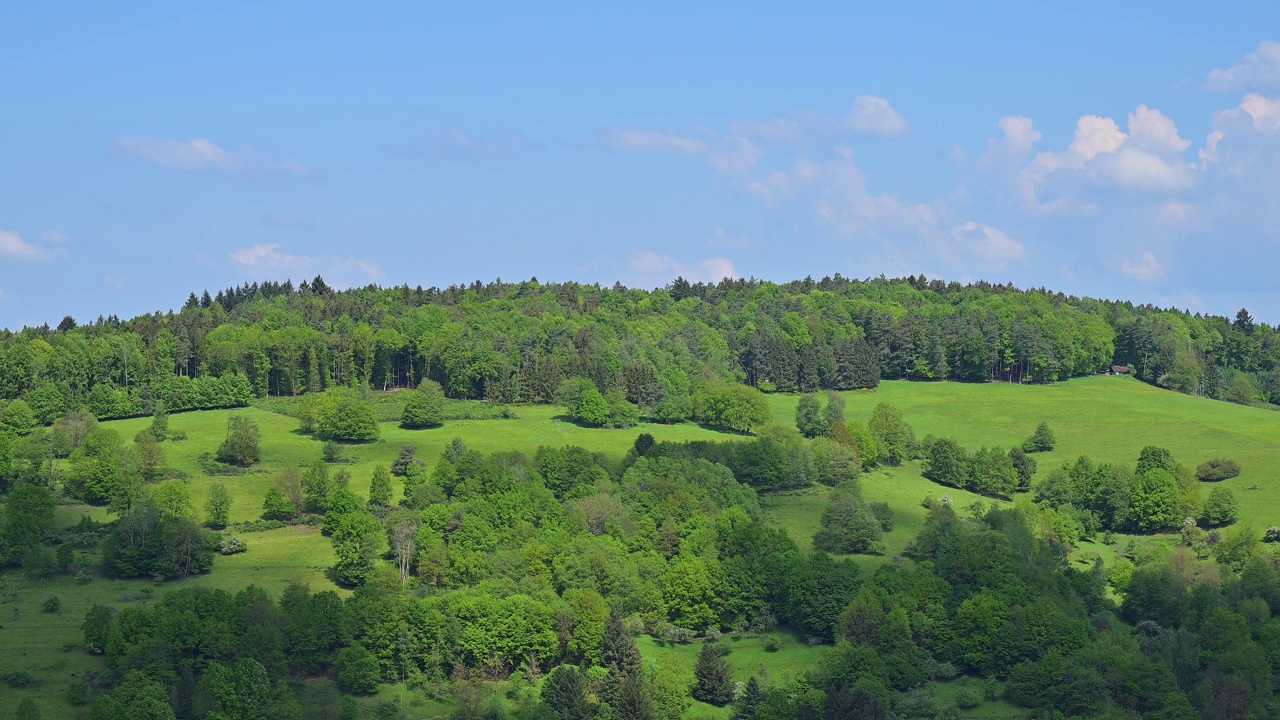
(517, 342)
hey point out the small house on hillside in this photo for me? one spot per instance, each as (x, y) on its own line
(1119, 370)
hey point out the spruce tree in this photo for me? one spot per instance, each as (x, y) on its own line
(565, 691)
(380, 487)
(713, 675)
(752, 696)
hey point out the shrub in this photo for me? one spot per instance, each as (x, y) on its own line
(77, 692)
(969, 697)
(1217, 469)
(231, 545)
(332, 452)
(51, 605)
(18, 678)
(771, 645)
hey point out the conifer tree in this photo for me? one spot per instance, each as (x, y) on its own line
(713, 675)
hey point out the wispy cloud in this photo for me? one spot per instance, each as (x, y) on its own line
(649, 267)
(201, 154)
(1148, 268)
(798, 165)
(115, 281)
(14, 247)
(1257, 70)
(268, 257)
(455, 144)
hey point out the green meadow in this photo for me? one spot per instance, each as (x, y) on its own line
(1108, 418)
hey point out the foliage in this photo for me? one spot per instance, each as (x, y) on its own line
(358, 670)
(1217, 469)
(1154, 503)
(893, 436)
(848, 525)
(1220, 508)
(425, 406)
(342, 414)
(217, 507)
(713, 681)
(732, 407)
(1041, 440)
(380, 487)
(241, 444)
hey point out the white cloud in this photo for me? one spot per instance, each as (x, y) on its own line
(13, 246)
(1018, 137)
(1175, 212)
(1100, 156)
(987, 243)
(627, 140)
(268, 257)
(201, 154)
(873, 115)
(797, 165)
(2, 294)
(650, 266)
(53, 237)
(1258, 69)
(115, 281)
(1264, 111)
(1153, 130)
(1145, 270)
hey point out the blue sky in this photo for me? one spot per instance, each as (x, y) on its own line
(1121, 150)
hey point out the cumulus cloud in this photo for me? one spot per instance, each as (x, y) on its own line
(1258, 69)
(873, 115)
(1101, 156)
(202, 154)
(14, 247)
(268, 257)
(1145, 270)
(649, 266)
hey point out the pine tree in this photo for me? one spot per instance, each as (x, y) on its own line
(380, 487)
(565, 691)
(752, 696)
(714, 676)
(1040, 441)
(834, 411)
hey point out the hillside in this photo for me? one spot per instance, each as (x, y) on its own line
(1109, 418)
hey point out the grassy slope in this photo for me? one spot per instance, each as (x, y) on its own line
(1110, 419)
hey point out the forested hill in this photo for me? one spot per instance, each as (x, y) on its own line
(516, 342)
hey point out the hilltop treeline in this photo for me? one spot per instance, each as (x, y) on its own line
(516, 342)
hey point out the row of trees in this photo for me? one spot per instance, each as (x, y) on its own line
(518, 342)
